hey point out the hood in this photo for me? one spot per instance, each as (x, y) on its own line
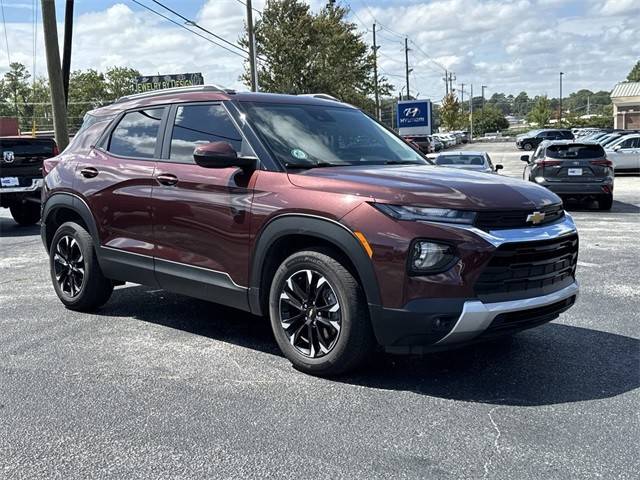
(429, 186)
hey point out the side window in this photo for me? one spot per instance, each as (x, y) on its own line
(628, 143)
(196, 124)
(136, 134)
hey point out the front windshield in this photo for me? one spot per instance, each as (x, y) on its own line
(307, 136)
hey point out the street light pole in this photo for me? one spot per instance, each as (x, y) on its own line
(253, 67)
(560, 116)
(483, 87)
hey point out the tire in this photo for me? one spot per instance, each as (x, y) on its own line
(333, 350)
(77, 279)
(528, 147)
(605, 202)
(25, 214)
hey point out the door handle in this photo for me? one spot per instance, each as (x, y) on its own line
(167, 179)
(89, 172)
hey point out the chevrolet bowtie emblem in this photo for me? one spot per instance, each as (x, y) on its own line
(535, 217)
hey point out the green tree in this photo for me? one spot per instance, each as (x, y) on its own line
(304, 52)
(120, 81)
(541, 112)
(14, 90)
(450, 113)
(489, 119)
(87, 90)
(634, 74)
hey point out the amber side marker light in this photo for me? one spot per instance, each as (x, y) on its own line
(365, 243)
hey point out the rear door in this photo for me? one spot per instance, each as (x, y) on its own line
(21, 160)
(574, 163)
(115, 181)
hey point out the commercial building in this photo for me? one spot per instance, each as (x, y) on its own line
(626, 105)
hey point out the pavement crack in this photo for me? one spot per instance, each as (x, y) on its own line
(496, 442)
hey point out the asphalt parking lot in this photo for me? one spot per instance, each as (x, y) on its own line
(155, 385)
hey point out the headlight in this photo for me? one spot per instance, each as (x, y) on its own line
(427, 214)
(427, 257)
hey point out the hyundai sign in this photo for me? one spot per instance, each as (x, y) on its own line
(414, 117)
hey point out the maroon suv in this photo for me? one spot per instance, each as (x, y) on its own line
(306, 210)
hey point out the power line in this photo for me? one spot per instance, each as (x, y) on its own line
(194, 24)
(187, 29)
(259, 12)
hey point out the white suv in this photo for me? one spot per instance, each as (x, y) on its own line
(625, 152)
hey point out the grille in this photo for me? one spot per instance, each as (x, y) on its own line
(527, 269)
(501, 219)
(515, 321)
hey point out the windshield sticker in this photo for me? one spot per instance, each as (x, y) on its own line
(299, 154)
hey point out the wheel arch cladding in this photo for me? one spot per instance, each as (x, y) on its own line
(328, 233)
(62, 207)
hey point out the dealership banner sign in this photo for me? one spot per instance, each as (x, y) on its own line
(414, 117)
(158, 82)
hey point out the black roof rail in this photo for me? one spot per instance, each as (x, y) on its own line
(170, 91)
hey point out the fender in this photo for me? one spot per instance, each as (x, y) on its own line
(71, 202)
(315, 226)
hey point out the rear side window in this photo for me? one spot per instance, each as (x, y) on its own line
(476, 160)
(197, 124)
(572, 151)
(137, 133)
(566, 134)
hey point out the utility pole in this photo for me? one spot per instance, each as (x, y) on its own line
(483, 87)
(588, 104)
(446, 82)
(406, 65)
(52, 52)
(66, 48)
(375, 74)
(452, 77)
(253, 68)
(462, 94)
(471, 114)
(560, 116)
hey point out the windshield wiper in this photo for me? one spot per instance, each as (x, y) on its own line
(311, 165)
(403, 162)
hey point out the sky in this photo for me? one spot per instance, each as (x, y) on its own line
(507, 45)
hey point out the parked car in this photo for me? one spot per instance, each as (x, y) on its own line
(306, 210)
(530, 140)
(624, 152)
(467, 160)
(436, 143)
(420, 141)
(569, 169)
(21, 175)
(448, 139)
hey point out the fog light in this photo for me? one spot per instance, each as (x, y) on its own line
(431, 257)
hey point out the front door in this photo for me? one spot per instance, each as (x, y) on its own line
(202, 215)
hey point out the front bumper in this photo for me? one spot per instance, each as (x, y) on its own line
(430, 324)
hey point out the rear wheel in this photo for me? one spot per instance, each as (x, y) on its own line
(319, 314)
(75, 272)
(605, 202)
(27, 213)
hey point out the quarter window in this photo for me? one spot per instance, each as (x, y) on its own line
(196, 124)
(137, 133)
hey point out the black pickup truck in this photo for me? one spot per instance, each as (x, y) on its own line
(21, 175)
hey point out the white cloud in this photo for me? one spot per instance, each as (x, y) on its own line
(509, 45)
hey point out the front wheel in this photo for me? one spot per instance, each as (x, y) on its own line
(528, 147)
(25, 214)
(319, 314)
(75, 272)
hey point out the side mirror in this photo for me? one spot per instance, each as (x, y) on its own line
(499, 167)
(525, 158)
(221, 155)
(616, 148)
